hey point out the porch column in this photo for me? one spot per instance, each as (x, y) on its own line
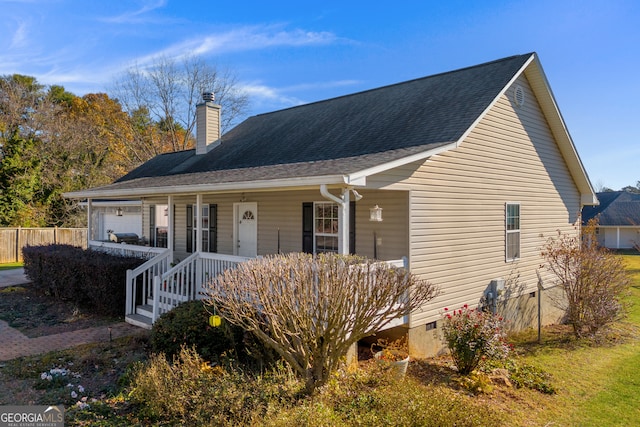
(343, 223)
(170, 228)
(198, 219)
(89, 222)
(617, 237)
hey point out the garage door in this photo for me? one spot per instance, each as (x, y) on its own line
(121, 224)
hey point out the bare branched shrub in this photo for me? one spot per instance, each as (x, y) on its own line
(593, 279)
(312, 309)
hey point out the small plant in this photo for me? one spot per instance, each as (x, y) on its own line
(476, 382)
(393, 355)
(473, 336)
(529, 376)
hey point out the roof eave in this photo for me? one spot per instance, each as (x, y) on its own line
(225, 187)
(540, 86)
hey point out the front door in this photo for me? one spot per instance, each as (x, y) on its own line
(246, 229)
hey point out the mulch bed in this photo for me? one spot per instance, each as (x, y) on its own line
(32, 312)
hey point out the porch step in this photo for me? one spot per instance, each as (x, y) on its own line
(139, 320)
(145, 310)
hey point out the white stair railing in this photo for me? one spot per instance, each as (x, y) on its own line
(140, 280)
(185, 281)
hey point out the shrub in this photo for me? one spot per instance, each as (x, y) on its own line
(311, 309)
(90, 279)
(188, 325)
(593, 279)
(190, 391)
(472, 336)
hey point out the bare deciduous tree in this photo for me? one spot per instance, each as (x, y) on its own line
(169, 90)
(312, 309)
(593, 279)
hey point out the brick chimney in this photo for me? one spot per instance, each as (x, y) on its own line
(207, 123)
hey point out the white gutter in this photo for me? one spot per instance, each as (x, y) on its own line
(325, 193)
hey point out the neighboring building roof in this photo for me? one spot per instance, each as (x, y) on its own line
(617, 208)
(343, 139)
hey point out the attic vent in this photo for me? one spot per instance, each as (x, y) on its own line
(518, 96)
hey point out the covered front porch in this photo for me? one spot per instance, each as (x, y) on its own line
(189, 239)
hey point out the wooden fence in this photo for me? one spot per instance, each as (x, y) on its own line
(12, 240)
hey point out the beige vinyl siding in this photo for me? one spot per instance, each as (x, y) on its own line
(458, 198)
(392, 232)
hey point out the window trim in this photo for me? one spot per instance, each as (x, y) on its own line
(516, 231)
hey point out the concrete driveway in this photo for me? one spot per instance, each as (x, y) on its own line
(11, 277)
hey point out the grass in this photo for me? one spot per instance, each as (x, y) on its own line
(10, 266)
(597, 384)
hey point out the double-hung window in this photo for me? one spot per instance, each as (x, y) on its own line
(512, 226)
(320, 227)
(325, 222)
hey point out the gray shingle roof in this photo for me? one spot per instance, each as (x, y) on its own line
(340, 135)
(617, 208)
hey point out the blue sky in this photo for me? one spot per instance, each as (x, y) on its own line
(291, 52)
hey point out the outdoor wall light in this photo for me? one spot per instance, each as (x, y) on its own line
(375, 214)
(166, 211)
(119, 211)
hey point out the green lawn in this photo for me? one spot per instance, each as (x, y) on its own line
(598, 385)
(10, 266)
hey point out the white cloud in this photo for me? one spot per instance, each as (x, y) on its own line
(273, 98)
(243, 39)
(135, 16)
(19, 38)
(261, 93)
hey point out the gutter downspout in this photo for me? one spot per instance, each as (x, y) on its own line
(343, 217)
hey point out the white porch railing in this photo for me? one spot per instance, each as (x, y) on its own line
(123, 249)
(185, 281)
(140, 280)
(403, 320)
